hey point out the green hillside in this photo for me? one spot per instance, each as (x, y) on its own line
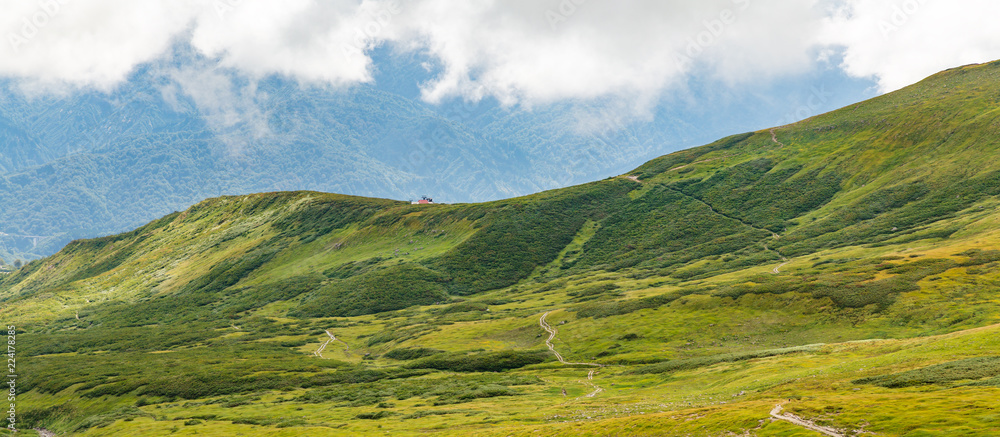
(844, 267)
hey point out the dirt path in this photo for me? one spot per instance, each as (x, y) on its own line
(775, 236)
(774, 137)
(633, 178)
(791, 418)
(44, 432)
(784, 261)
(347, 347)
(590, 379)
(776, 270)
(319, 352)
(322, 347)
(548, 342)
(552, 335)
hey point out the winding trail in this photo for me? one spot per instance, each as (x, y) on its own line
(774, 137)
(795, 420)
(775, 236)
(347, 347)
(552, 335)
(785, 263)
(322, 347)
(590, 379)
(548, 342)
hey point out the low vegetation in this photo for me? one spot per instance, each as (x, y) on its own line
(848, 270)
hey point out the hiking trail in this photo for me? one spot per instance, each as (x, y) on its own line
(319, 352)
(791, 418)
(548, 342)
(774, 137)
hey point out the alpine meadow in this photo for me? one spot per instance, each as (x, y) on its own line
(838, 275)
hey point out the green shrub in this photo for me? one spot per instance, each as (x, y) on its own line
(411, 353)
(323, 214)
(970, 368)
(664, 228)
(599, 310)
(757, 193)
(694, 363)
(522, 234)
(391, 288)
(683, 157)
(465, 307)
(375, 415)
(594, 292)
(480, 362)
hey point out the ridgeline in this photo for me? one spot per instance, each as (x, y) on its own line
(845, 267)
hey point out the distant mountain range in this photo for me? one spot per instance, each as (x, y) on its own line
(87, 163)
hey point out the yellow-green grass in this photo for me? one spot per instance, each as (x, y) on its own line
(894, 270)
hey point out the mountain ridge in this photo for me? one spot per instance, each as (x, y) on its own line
(839, 262)
(182, 133)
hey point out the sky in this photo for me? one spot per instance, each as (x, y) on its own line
(520, 52)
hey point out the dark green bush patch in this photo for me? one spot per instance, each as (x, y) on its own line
(465, 307)
(103, 420)
(391, 288)
(481, 362)
(595, 292)
(695, 363)
(444, 391)
(526, 233)
(664, 228)
(375, 415)
(348, 269)
(854, 290)
(967, 369)
(599, 310)
(686, 157)
(756, 192)
(404, 354)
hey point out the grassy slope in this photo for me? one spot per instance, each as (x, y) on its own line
(881, 219)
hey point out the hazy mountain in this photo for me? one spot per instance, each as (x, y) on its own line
(89, 163)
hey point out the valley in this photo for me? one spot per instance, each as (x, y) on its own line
(837, 275)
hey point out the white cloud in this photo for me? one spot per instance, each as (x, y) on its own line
(234, 111)
(311, 41)
(519, 51)
(97, 43)
(547, 50)
(900, 42)
(85, 43)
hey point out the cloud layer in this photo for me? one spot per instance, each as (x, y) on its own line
(518, 51)
(900, 42)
